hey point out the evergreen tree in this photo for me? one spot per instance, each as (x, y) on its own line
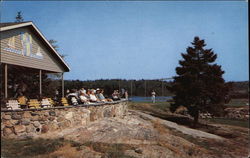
(56, 47)
(19, 17)
(54, 44)
(199, 85)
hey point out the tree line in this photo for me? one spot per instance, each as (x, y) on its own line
(236, 89)
(134, 87)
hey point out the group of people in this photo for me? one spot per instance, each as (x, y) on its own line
(84, 96)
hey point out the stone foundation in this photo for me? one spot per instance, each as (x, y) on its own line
(32, 122)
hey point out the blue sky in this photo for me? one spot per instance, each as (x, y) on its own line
(135, 40)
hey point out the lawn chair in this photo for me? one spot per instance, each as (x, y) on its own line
(22, 101)
(34, 103)
(64, 102)
(45, 103)
(13, 105)
(52, 103)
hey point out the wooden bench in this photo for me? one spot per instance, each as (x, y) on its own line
(45, 103)
(13, 105)
(34, 103)
(22, 101)
(64, 102)
(52, 103)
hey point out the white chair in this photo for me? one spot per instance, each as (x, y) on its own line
(13, 105)
(45, 103)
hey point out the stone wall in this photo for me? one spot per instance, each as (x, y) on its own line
(238, 113)
(32, 122)
(241, 113)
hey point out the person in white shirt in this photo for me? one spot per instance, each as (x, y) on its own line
(73, 97)
(92, 96)
(153, 96)
(126, 94)
(83, 98)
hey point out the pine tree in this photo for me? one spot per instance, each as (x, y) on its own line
(56, 47)
(19, 17)
(199, 85)
(54, 44)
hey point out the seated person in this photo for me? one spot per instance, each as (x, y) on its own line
(101, 97)
(92, 96)
(74, 101)
(73, 97)
(83, 98)
(116, 95)
(82, 90)
(72, 93)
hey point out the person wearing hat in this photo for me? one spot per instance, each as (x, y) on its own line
(100, 96)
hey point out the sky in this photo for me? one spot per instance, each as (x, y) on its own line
(138, 39)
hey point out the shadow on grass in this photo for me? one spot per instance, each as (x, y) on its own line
(24, 148)
(111, 150)
(28, 147)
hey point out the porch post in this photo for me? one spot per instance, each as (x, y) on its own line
(6, 81)
(40, 82)
(62, 85)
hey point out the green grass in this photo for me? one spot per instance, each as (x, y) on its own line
(237, 102)
(164, 106)
(227, 121)
(161, 110)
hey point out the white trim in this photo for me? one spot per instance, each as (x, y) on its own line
(5, 28)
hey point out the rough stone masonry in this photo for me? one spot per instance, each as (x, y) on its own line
(32, 122)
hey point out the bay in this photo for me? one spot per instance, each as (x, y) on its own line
(148, 99)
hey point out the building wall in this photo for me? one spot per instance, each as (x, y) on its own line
(23, 48)
(22, 124)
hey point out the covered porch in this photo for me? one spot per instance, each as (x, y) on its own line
(30, 82)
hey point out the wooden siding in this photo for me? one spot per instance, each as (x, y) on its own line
(49, 62)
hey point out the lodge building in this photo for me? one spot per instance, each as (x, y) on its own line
(25, 49)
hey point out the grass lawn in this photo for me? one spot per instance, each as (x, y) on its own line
(227, 121)
(238, 102)
(161, 110)
(162, 106)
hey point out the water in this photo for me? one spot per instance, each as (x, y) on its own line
(148, 99)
